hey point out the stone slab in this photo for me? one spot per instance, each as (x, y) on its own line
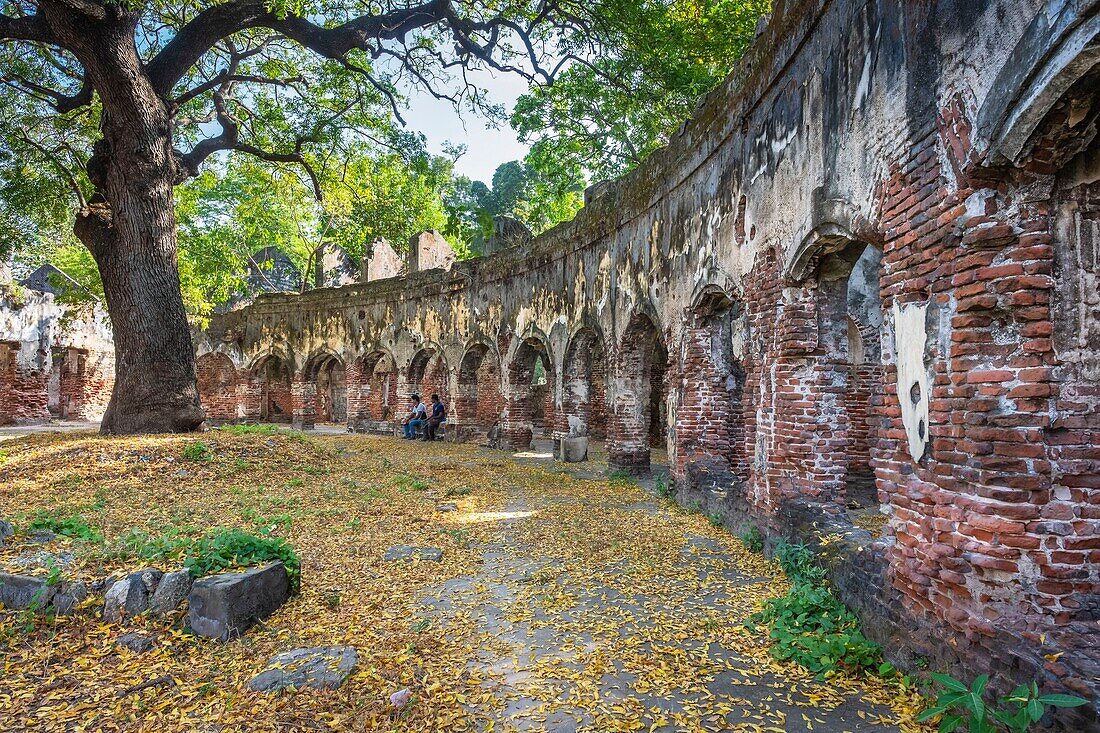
(226, 605)
(320, 668)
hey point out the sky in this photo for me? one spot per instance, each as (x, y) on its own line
(486, 148)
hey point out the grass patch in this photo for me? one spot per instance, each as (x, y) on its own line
(72, 525)
(265, 429)
(225, 549)
(198, 451)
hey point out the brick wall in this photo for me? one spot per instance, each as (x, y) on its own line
(217, 381)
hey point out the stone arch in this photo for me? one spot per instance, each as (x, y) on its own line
(525, 402)
(427, 373)
(849, 371)
(640, 420)
(217, 383)
(479, 401)
(372, 391)
(710, 431)
(325, 376)
(584, 385)
(271, 377)
(1059, 47)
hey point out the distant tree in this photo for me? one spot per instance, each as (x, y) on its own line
(603, 116)
(124, 101)
(228, 213)
(518, 192)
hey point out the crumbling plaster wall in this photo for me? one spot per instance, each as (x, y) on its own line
(850, 122)
(41, 338)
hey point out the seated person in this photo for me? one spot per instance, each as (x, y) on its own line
(439, 414)
(416, 418)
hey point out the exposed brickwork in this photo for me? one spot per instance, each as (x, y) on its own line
(640, 392)
(54, 362)
(858, 207)
(217, 387)
(525, 403)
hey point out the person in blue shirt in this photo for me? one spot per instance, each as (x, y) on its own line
(439, 414)
(417, 417)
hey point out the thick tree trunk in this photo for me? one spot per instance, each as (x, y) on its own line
(155, 389)
(130, 228)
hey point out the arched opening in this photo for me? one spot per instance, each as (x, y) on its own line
(584, 387)
(640, 422)
(710, 437)
(530, 388)
(272, 379)
(478, 403)
(427, 374)
(217, 382)
(372, 392)
(330, 396)
(850, 372)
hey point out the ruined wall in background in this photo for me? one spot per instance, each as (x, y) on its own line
(860, 282)
(54, 362)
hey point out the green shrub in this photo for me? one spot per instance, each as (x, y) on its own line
(715, 519)
(171, 544)
(799, 562)
(198, 451)
(753, 540)
(72, 525)
(958, 704)
(229, 548)
(665, 490)
(811, 627)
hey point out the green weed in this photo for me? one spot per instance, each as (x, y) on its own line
(753, 540)
(198, 451)
(229, 548)
(72, 526)
(1018, 713)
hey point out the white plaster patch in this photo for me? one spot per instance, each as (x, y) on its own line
(910, 337)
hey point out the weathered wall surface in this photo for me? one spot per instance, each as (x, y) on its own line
(864, 273)
(53, 363)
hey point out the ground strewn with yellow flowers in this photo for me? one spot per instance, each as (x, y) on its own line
(560, 604)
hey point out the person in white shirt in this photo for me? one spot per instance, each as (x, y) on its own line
(417, 417)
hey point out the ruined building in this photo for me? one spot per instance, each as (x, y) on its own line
(55, 362)
(863, 278)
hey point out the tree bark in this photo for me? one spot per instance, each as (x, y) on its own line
(130, 228)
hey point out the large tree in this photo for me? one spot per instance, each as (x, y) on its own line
(160, 86)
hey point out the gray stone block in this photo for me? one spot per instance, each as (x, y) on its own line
(226, 605)
(407, 552)
(171, 591)
(130, 596)
(6, 531)
(20, 592)
(68, 596)
(573, 450)
(137, 643)
(321, 668)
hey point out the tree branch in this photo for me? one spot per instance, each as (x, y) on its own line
(26, 28)
(221, 21)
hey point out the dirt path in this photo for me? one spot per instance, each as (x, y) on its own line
(599, 646)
